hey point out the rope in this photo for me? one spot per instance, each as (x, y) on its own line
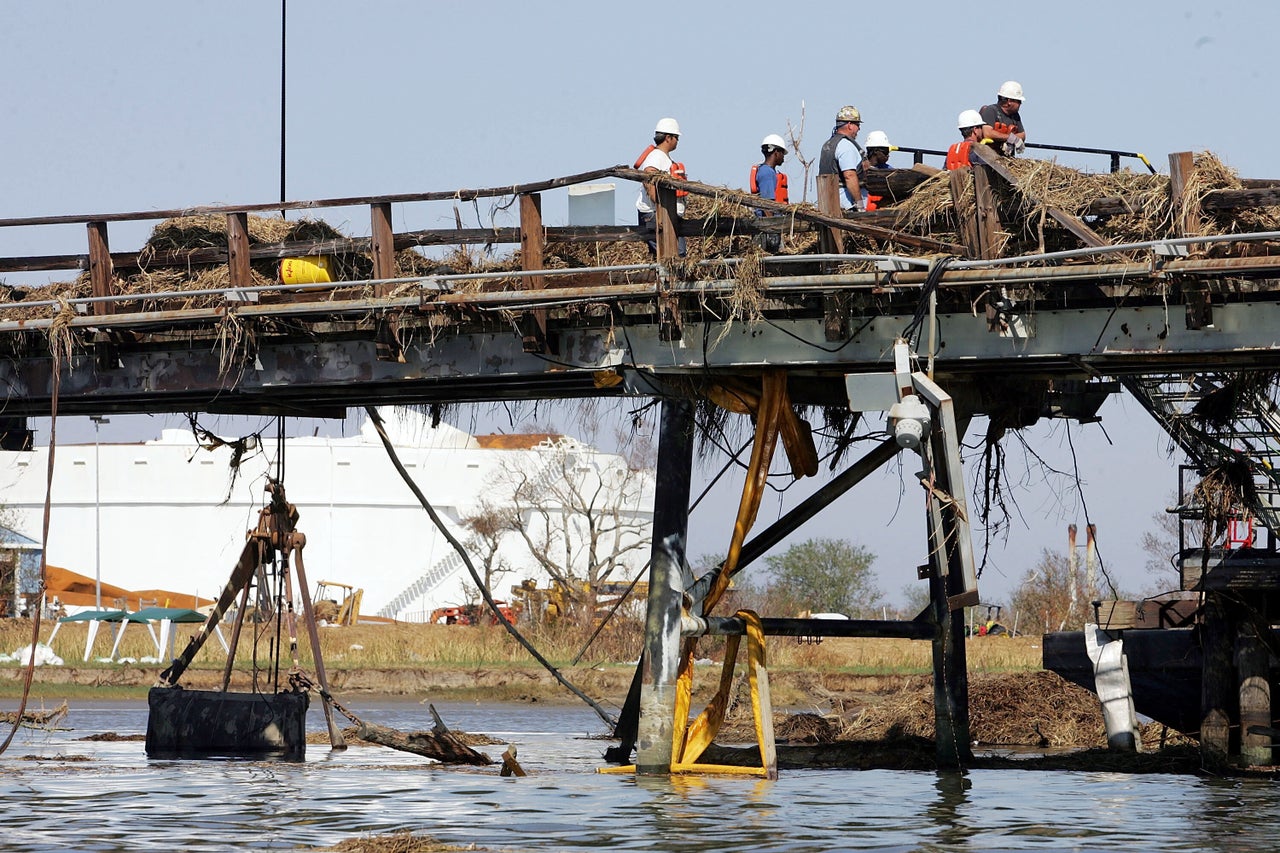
(44, 555)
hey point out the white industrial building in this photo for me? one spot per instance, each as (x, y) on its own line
(167, 513)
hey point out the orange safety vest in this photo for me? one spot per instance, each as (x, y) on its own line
(958, 155)
(779, 188)
(677, 169)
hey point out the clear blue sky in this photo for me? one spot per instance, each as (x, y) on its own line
(151, 105)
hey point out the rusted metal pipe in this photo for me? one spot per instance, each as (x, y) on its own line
(695, 626)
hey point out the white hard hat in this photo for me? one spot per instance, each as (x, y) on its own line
(773, 140)
(1011, 89)
(878, 139)
(668, 125)
(969, 118)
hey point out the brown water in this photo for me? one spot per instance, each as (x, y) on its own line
(119, 800)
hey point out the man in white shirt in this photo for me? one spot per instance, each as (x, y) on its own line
(657, 158)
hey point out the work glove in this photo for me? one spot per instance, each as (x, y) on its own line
(1014, 145)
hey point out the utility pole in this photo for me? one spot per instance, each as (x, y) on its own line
(98, 421)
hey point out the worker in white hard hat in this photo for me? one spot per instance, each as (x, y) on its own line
(877, 158)
(960, 155)
(841, 155)
(1002, 121)
(768, 181)
(657, 158)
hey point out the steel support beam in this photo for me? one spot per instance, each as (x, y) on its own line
(661, 658)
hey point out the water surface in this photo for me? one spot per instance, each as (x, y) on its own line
(120, 800)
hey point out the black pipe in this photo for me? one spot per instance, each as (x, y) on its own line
(900, 630)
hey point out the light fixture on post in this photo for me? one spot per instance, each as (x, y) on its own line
(98, 421)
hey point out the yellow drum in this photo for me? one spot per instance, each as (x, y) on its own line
(313, 269)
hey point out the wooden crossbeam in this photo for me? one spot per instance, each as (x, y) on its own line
(875, 232)
(1073, 224)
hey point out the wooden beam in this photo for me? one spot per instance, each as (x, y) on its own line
(987, 216)
(831, 239)
(835, 306)
(1073, 224)
(1186, 211)
(355, 201)
(959, 180)
(665, 221)
(382, 245)
(100, 267)
(238, 249)
(855, 225)
(532, 240)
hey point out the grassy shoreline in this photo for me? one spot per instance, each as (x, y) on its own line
(464, 663)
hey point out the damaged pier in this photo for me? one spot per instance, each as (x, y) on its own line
(1000, 300)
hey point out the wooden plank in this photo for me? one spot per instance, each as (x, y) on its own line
(100, 267)
(1186, 210)
(382, 246)
(238, 249)
(1073, 224)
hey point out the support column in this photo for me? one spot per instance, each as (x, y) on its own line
(661, 657)
(951, 585)
(1216, 683)
(1253, 664)
(950, 673)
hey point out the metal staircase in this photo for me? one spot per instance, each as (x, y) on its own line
(447, 566)
(1222, 419)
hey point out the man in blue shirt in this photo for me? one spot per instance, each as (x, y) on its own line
(768, 182)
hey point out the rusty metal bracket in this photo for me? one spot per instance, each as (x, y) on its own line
(670, 325)
(386, 340)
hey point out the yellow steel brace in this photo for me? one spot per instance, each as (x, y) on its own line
(702, 731)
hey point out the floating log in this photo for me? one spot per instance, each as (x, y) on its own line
(511, 767)
(39, 719)
(445, 747)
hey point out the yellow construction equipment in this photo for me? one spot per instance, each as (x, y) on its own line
(348, 606)
(547, 604)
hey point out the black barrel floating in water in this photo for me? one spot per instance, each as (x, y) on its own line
(213, 724)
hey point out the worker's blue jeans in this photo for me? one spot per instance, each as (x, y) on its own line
(648, 223)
